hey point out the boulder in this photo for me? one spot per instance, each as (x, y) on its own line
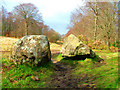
(72, 47)
(32, 50)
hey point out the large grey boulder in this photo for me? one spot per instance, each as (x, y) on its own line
(32, 50)
(72, 47)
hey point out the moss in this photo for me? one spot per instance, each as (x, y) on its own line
(100, 74)
(21, 75)
(103, 75)
(87, 72)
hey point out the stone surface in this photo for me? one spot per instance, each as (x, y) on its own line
(32, 50)
(72, 46)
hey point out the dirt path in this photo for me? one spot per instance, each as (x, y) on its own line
(63, 77)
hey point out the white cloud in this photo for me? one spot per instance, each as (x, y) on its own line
(52, 10)
(49, 8)
(53, 7)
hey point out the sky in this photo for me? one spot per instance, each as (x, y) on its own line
(56, 13)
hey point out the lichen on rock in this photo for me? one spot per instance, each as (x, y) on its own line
(72, 47)
(31, 49)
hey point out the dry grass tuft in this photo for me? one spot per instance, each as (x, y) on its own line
(7, 42)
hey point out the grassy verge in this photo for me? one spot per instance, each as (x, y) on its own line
(100, 74)
(24, 76)
(92, 73)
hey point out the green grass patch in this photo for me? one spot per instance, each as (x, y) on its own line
(66, 61)
(101, 74)
(57, 57)
(89, 71)
(102, 51)
(24, 76)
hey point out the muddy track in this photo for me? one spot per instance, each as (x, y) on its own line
(63, 77)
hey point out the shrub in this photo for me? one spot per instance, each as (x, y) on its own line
(117, 44)
(114, 49)
(102, 47)
(98, 44)
(83, 39)
(6, 35)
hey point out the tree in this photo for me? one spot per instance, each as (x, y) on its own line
(10, 23)
(46, 30)
(109, 20)
(0, 21)
(93, 6)
(35, 28)
(53, 36)
(96, 20)
(28, 12)
(4, 21)
(25, 19)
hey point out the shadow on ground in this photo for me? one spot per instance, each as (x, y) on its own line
(64, 78)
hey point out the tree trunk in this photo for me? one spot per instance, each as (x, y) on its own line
(26, 27)
(2, 29)
(95, 29)
(96, 18)
(108, 44)
(108, 41)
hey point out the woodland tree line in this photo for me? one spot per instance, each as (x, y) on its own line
(25, 19)
(96, 21)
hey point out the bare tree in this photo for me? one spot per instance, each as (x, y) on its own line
(4, 20)
(96, 20)
(109, 20)
(94, 7)
(28, 12)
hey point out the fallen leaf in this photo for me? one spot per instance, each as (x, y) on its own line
(14, 81)
(35, 78)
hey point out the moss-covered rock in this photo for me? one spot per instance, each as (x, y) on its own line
(72, 47)
(31, 49)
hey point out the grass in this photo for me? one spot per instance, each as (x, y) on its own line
(101, 74)
(104, 76)
(7, 42)
(54, 46)
(23, 76)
